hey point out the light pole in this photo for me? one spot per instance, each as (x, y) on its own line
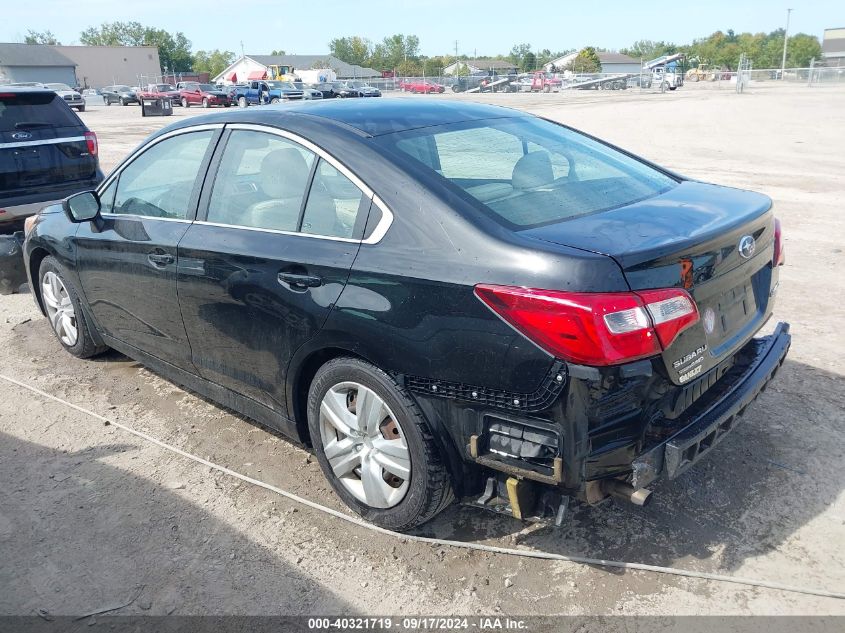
(785, 40)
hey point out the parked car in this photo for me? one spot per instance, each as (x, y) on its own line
(358, 89)
(73, 98)
(163, 90)
(124, 95)
(46, 154)
(329, 90)
(419, 86)
(264, 92)
(205, 95)
(580, 323)
(308, 92)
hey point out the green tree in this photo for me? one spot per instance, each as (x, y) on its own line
(648, 49)
(174, 50)
(529, 62)
(212, 62)
(46, 37)
(277, 52)
(801, 48)
(587, 61)
(518, 53)
(352, 50)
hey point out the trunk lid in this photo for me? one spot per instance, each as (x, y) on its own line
(42, 143)
(698, 237)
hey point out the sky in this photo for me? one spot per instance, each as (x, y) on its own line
(481, 27)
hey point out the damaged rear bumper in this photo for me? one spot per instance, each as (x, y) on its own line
(679, 452)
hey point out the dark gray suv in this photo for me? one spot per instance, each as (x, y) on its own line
(46, 154)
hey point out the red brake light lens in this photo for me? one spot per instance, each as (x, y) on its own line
(779, 259)
(595, 329)
(91, 141)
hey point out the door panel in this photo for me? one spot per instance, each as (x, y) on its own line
(253, 287)
(127, 258)
(244, 312)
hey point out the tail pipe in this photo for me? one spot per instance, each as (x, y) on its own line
(626, 492)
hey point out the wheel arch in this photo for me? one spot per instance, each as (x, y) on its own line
(38, 254)
(302, 372)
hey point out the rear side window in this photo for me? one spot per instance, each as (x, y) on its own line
(525, 172)
(261, 182)
(33, 110)
(333, 204)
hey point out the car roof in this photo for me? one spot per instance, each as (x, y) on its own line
(370, 117)
(24, 89)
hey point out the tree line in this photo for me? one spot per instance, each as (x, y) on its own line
(401, 53)
(722, 49)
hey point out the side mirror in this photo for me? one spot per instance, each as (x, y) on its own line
(82, 207)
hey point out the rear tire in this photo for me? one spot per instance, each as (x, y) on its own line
(274, 101)
(242, 102)
(106, 101)
(185, 103)
(64, 311)
(369, 488)
(122, 101)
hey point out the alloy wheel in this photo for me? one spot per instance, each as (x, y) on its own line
(364, 445)
(59, 308)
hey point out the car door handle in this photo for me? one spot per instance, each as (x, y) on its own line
(299, 281)
(160, 259)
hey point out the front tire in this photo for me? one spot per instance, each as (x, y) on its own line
(205, 103)
(375, 446)
(63, 307)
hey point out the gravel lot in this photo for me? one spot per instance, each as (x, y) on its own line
(92, 517)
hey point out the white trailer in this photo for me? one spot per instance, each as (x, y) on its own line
(316, 75)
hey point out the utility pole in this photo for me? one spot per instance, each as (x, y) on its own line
(785, 40)
(242, 50)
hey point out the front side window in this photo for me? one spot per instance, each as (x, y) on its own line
(261, 182)
(525, 172)
(159, 183)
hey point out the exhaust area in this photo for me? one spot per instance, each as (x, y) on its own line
(626, 492)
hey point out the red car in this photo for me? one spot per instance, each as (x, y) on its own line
(205, 95)
(162, 90)
(418, 86)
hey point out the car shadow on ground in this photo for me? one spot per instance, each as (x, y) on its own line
(78, 535)
(760, 485)
(765, 481)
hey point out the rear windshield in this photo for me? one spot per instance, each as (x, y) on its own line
(33, 110)
(525, 172)
(207, 87)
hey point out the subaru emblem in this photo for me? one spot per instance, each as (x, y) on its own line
(21, 136)
(747, 245)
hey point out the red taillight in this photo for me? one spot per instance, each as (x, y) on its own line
(91, 140)
(594, 328)
(779, 259)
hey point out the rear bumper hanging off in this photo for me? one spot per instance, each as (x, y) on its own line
(683, 449)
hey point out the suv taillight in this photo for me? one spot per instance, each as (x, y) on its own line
(779, 259)
(596, 329)
(91, 141)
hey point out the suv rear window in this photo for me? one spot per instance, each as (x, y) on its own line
(526, 172)
(30, 110)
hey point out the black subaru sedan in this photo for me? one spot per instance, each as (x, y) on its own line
(445, 300)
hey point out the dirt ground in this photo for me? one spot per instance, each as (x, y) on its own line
(92, 517)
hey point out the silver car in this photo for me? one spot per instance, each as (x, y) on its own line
(307, 91)
(73, 98)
